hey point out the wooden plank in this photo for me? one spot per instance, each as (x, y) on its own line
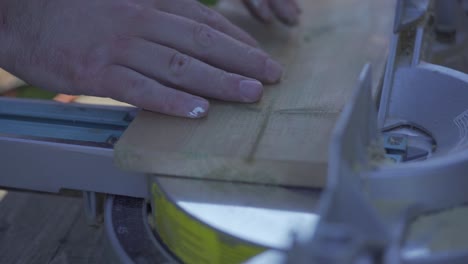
(284, 138)
(83, 244)
(38, 228)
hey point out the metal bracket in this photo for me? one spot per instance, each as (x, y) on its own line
(94, 208)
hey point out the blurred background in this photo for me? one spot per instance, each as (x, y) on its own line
(11, 86)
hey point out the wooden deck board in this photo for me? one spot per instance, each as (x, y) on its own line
(39, 228)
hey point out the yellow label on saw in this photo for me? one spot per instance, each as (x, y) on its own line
(194, 242)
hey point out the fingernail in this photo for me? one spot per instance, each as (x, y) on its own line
(292, 18)
(297, 7)
(253, 42)
(292, 21)
(199, 108)
(250, 90)
(263, 10)
(273, 71)
(265, 14)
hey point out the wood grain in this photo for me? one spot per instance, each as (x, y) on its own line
(284, 138)
(39, 228)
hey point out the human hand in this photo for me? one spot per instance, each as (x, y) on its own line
(287, 11)
(161, 55)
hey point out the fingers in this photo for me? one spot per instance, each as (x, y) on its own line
(211, 46)
(126, 85)
(260, 9)
(202, 14)
(191, 75)
(286, 10)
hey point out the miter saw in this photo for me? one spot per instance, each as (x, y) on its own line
(391, 172)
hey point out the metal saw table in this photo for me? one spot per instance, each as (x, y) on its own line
(389, 172)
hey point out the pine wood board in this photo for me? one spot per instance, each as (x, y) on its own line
(283, 139)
